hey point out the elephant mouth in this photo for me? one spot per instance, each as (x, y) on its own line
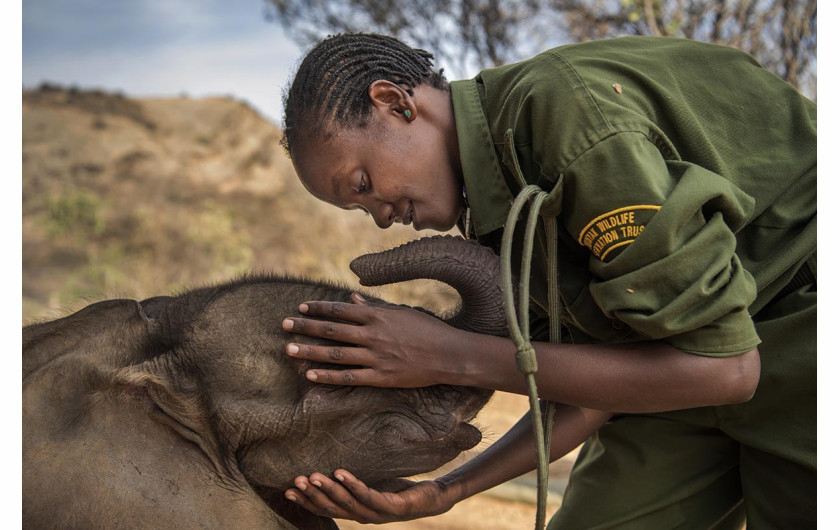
(466, 436)
(406, 449)
(403, 433)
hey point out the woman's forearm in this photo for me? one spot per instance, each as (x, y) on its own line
(515, 453)
(404, 348)
(639, 377)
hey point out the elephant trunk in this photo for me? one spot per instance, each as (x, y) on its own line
(473, 270)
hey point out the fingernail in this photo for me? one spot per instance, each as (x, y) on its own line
(360, 297)
(301, 486)
(316, 483)
(312, 376)
(303, 308)
(339, 477)
(292, 348)
(291, 497)
(288, 323)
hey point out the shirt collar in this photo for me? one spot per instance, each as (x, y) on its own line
(487, 192)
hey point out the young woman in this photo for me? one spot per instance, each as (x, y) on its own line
(682, 180)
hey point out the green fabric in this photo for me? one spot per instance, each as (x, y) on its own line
(693, 468)
(682, 174)
(682, 177)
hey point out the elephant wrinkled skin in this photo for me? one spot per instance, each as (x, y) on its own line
(183, 412)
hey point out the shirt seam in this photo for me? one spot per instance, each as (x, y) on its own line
(593, 145)
(554, 54)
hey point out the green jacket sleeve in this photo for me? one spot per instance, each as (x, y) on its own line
(662, 243)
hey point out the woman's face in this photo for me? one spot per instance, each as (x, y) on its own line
(398, 170)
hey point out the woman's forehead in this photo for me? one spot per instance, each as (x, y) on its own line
(323, 173)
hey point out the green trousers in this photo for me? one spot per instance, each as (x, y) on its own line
(714, 467)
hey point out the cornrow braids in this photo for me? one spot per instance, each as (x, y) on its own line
(330, 87)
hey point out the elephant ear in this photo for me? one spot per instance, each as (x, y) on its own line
(105, 334)
(179, 405)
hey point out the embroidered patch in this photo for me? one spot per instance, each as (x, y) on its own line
(615, 229)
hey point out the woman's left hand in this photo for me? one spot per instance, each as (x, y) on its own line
(389, 346)
(350, 498)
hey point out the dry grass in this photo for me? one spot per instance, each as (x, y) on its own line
(125, 198)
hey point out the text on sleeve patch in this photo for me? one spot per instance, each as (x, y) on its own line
(615, 229)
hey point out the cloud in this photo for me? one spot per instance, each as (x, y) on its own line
(160, 48)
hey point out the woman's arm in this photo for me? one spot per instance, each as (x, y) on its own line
(515, 454)
(401, 347)
(511, 456)
(637, 377)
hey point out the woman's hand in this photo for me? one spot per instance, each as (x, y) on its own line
(392, 346)
(350, 498)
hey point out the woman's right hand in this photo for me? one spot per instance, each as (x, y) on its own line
(350, 498)
(386, 345)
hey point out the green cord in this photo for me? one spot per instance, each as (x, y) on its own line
(526, 360)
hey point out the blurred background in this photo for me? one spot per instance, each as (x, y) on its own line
(150, 130)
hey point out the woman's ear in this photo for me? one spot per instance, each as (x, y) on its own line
(392, 99)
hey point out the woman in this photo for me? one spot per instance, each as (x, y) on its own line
(682, 181)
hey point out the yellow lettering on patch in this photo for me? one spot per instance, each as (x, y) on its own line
(615, 229)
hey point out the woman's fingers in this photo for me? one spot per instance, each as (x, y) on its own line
(354, 377)
(358, 299)
(336, 355)
(337, 494)
(349, 312)
(325, 329)
(349, 498)
(297, 496)
(338, 321)
(323, 496)
(360, 490)
(329, 353)
(382, 346)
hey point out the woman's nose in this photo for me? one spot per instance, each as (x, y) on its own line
(384, 216)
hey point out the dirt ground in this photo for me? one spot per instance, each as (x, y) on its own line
(510, 506)
(479, 512)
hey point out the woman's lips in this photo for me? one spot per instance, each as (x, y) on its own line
(411, 218)
(408, 217)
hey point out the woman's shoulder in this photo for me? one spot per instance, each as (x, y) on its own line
(544, 103)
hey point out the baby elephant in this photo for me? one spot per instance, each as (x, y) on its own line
(184, 412)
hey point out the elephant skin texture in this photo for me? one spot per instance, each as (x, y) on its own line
(184, 411)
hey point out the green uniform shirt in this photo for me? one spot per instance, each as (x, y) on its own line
(682, 178)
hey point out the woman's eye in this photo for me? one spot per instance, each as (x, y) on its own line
(363, 186)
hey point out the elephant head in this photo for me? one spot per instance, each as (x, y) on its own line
(205, 375)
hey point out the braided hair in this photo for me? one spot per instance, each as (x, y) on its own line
(331, 84)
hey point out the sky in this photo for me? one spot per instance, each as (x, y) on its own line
(159, 48)
(140, 48)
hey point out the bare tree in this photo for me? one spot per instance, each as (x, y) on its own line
(466, 34)
(781, 34)
(471, 34)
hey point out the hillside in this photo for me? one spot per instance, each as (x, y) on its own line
(133, 198)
